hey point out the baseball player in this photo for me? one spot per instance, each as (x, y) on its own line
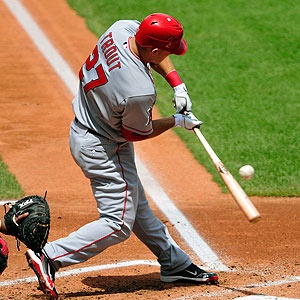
(113, 109)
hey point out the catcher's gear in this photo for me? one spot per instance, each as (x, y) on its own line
(3, 255)
(33, 230)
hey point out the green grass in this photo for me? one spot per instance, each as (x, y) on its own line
(242, 71)
(9, 187)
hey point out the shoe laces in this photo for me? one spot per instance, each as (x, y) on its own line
(193, 268)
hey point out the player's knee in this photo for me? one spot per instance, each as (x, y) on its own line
(122, 230)
(125, 232)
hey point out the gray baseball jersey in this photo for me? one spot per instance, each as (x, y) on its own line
(116, 91)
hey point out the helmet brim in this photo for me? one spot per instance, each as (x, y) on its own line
(181, 49)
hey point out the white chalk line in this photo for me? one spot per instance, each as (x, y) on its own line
(84, 270)
(152, 187)
(124, 264)
(183, 226)
(263, 297)
(41, 41)
(3, 202)
(246, 288)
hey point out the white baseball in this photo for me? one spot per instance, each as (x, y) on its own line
(246, 172)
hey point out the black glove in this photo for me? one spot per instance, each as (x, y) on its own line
(33, 230)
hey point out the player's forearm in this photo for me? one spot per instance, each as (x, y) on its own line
(168, 71)
(165, 67)
(161, 125)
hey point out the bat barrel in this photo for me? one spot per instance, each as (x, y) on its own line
(233, 186)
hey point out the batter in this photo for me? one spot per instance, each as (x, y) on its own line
(113, 109)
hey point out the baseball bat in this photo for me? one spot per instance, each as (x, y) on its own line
(233, 186)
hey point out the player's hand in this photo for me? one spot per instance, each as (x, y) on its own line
(17, 220)
(187, 121)
(181, 99)
(20, 218)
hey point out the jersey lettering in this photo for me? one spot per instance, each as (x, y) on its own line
(111, 55)
(110, 52)
(100, 78)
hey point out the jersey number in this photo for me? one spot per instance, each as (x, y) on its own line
(100, 79)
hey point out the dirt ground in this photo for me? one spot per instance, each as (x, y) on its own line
(35, 113)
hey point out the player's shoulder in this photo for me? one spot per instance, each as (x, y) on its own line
(128, 25)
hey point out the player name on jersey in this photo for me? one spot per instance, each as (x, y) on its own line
(110, 52)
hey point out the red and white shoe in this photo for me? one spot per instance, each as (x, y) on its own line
(44, 270)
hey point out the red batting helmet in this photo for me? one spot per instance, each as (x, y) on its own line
(161, 31)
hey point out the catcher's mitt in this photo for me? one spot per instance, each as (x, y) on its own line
(3, 255)
(33, 230)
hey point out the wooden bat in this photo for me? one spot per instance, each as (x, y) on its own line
(233, 186)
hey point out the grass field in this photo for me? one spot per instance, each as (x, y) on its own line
(9, 187)
(242, 73)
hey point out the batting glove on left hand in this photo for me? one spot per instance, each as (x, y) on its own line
(187, 121)
(181, 99)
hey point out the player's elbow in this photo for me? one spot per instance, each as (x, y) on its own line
(132, 136)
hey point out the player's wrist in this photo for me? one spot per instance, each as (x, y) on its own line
(180, 89)
(173, 78)
(178, 119)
